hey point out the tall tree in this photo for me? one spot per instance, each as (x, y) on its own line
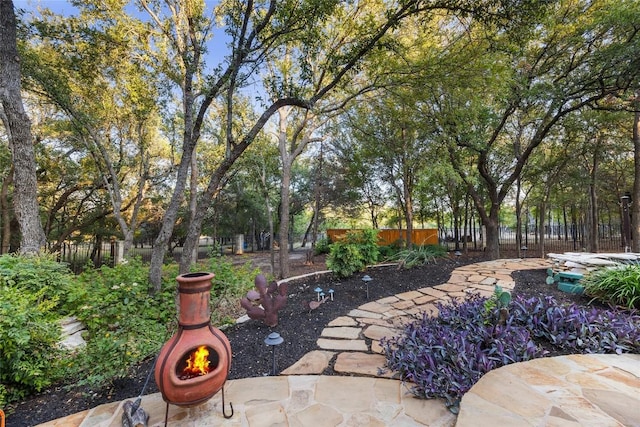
(18, 126)
(254, 28)
(108, 105)
(304, 20)
(567, 63)
(389, 132)
(291, 143)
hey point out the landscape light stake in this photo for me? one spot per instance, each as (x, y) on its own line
(366, 279)
(274, 339)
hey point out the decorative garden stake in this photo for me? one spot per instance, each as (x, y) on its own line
(331, 291)
(274, 339)
(457, 254)
(312, 305)
(317, 291)
(271, 299)
(366, 279)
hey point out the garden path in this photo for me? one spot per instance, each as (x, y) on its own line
(568, 390)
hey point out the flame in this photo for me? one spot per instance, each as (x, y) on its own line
(198, 362)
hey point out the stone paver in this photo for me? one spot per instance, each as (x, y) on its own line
(342, 345)
(298, 401)
(342, 332)
(433, 292)
(409, 295)
(314, 362)
(360, 363)
(343, 321)
(451, 287)
(377, 332)
(364, 313)
(588, 389)
(574, 390)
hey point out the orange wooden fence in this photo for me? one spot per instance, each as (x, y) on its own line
(422, 236)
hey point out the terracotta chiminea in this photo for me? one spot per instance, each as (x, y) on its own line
(196, 342)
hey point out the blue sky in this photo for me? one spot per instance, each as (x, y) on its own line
(217, 47)
(58, 6)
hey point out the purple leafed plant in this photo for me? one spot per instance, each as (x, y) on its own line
(444, 356)
(580, 330)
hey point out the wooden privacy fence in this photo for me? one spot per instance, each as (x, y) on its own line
(421, 236)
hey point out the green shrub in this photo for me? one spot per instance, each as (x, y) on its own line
(323, 246)
(229, 285)
(388, 252)
(125, 323)
(33, 290)
(353, 253)
(345, 259)
(229, 278)
(29, 332)
(419, 255)
(619, 286)
(41, 273)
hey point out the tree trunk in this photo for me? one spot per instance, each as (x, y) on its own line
(466, 226)
(541, 220)
(492, 238)
(592, 217)
(267, 203)
(292, 227)
(314, 229)
(305, 238)
(283, 255)
(133, 225)
(408, 214)
(18, 126)
(456, 227)
(215, 183)
(168, 222)
(5, 217)
(193, 200)
(635, 202)
(272, 254)
(519, 244)
(592, 213)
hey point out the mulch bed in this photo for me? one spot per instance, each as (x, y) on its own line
(299, 325)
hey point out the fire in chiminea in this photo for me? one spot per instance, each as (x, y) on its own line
(194, 364)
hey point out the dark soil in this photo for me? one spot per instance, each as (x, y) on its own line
(298, 325)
